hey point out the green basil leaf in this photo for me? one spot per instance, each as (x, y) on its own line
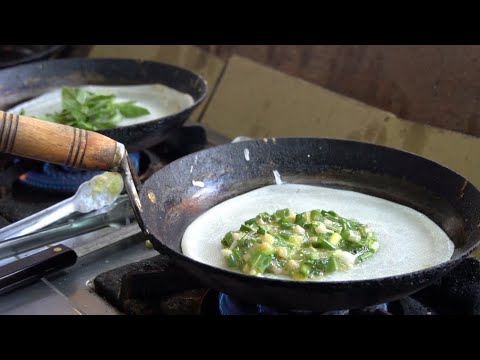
(69, 98)
(86, 110)
(129, 110)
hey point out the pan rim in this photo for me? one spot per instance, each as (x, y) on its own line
(274, 139)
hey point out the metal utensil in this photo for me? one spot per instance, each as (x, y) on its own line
(33, 267)
(115, 215)
(100, 191)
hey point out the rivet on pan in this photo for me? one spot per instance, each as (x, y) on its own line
(152, 197)
(57, 249)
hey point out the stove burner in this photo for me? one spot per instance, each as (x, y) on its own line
(145, 287)
(229, 306)
(63, 178)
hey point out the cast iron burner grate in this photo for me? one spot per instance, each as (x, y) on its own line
(157, 286)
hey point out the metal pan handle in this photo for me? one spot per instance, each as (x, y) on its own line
(65, 145)
(59, 144)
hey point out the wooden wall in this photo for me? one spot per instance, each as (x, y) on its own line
(250, 99)
(435, 85)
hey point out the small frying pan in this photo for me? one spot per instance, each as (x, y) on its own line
(168, 202)
(21, 83)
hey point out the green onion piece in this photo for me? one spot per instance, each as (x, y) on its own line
(227, 239)
(310, 227)
(234, 260)
(364, 256)
(285, 234)
(316, 215)
(345, 233)
(264, 216)
(323, 244)
(282, 213)
(260, 261)
(330, 265)
(300, 219)
(286, 225)
(329, 214)
(335, 238)
(246, 228)
(305, 269)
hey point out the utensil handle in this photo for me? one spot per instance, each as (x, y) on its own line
(31, 268)
(59, 144)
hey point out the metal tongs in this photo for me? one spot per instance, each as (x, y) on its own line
(88, 198)
(32, 138)
(117, 214)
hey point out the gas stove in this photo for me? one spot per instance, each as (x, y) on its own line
(68, 291)
(155, 286)
(127, 277)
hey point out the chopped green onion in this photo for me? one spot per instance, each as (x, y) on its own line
(303, 246)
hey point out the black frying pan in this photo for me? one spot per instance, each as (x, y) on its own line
(444, 196)
(20, 83)
(169, 202)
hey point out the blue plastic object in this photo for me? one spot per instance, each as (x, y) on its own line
(63, 178)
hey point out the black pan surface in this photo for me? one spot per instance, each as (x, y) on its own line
(170, 203)
(11, 55)
(23, 82)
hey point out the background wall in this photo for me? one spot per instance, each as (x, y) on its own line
(435, 85)
(251, 99)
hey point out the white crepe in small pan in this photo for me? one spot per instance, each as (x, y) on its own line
(409, 241)
(160, 100)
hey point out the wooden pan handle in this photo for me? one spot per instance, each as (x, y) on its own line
(59, 144)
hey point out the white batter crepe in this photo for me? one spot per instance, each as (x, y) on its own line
(159, 99)
(409, 241)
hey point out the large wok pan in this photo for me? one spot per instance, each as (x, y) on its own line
(20, 83)
(168, 201)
